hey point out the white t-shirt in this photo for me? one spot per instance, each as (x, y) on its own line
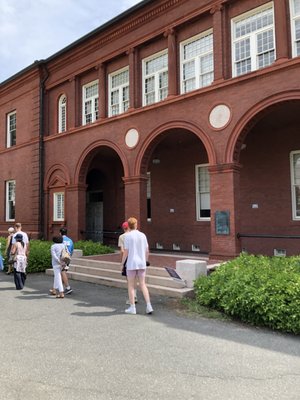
(121, 240)
(25, 237)
(136, 244)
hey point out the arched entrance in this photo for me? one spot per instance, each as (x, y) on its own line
(101, 172)
(268, 148)
(176, 163)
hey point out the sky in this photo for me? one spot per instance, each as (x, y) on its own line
(32, 30)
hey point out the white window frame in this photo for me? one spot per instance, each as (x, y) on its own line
(294, 186)
(123, 103)
(198, 193)
(62, 113)
(10, 194)
(58, 206)
(94, 99)
(156, 75)
(9, 136)
(197, 59)
(294, 18)
(252, 36)
(149, 195)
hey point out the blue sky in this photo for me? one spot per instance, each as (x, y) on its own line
(35, 29)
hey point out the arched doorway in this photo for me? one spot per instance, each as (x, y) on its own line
(103, 205)
(268, 149)
(178, 194)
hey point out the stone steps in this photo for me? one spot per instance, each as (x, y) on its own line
(108, 273)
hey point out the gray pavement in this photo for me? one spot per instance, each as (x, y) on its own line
(85, 347)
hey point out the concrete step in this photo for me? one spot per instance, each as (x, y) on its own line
(112, 265)
(114, 272)
(122, 283)
(109, 274)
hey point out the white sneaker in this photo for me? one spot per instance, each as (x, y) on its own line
(131, 310)
(149, 309)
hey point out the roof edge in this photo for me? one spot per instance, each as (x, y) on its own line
(77, 42)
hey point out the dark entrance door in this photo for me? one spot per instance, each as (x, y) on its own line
(94, 216)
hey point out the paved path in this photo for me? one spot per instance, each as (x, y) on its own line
(85, 347)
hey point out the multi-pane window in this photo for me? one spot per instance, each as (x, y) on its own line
(119, 92)
(10, 200)
(253, 45)
(149, 196)
(90, 103)
(197, 62)
(11, 129)
(295, 21)
(295, 183)
(59, 207)
(62, 114)
(155, 78)
(202, 192)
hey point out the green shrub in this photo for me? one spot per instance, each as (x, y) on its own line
(255, 289)
(40, 258)
(90, 248)
(2, 246)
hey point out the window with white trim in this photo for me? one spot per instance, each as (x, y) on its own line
(10, 200)
(253, 40)
(119, 92)
(202, 192)
(62, 114)
(90, 98)
(295, 26)
(197, 62)
(155, 78)
(148, 196)
(295, 183)
(59, 206)
(11, 129)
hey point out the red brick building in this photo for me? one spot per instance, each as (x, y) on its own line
(184, 113)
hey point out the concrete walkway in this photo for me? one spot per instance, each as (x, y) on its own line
(85, 347)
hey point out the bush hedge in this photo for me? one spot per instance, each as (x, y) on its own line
(258, 290)
(90, 248)
(40, 258)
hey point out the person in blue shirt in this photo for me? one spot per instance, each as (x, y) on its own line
(68, 242)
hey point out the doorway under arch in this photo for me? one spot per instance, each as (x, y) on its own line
(268, 149)
(178, 207)
(104, 201)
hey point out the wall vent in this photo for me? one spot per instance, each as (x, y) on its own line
(279, 252)
(176, 246)
(159, 246)
(195, 247)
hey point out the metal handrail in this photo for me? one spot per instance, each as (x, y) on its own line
(266, 236)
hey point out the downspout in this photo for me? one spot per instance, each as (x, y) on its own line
(44, 74)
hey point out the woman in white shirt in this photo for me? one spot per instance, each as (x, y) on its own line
(56, 250)
(19, 250)
(136, 251)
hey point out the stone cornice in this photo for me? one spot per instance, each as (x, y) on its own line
(130, 24)
(137, 21)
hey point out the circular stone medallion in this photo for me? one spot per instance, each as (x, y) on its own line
(132, 138)
(219, 116)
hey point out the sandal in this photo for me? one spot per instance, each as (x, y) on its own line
(60, 296)
(53, 292)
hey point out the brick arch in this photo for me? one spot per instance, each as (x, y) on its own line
(89, 153)
(57, 175)
(251, 118)
(155, 137)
